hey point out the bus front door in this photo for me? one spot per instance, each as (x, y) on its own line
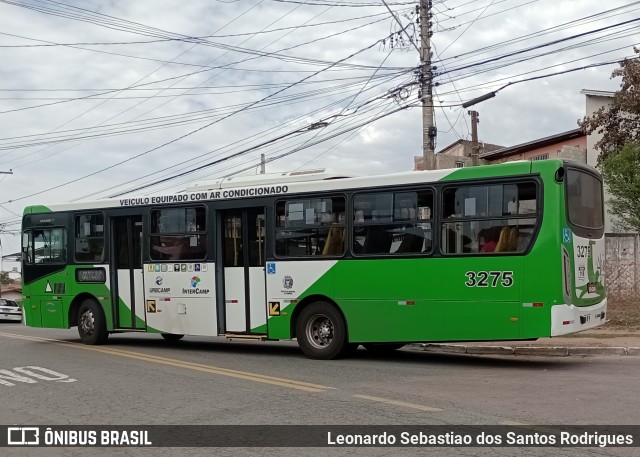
(243, 258)
(127, 288)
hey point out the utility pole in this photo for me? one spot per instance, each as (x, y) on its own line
(10, 172)
(475, 147)
(429, 131)
(475, 153)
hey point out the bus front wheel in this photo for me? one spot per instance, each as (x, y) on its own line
(92, 325)
(321, 331)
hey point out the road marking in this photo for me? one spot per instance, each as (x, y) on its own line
(399, 403)
(256, 377)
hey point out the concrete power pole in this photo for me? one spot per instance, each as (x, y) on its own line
(475, 147)
(10, 172)
(429, 131)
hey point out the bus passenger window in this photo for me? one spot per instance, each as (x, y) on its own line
(392, 223)
(178, 233)
(310, 227)
(89, 238)
(489, 219)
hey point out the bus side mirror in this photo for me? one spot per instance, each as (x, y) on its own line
(25, 242)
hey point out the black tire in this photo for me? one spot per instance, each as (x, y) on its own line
(172, 337)
(321, 331)
(382, 348)
(92, 326)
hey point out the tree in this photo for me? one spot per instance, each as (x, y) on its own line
(619, 122)
(621, 173)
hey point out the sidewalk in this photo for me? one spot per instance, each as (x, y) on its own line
(601, 341)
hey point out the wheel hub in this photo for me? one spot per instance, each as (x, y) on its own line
(87, 323)
(320, 331)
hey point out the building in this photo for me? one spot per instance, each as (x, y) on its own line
(569, 145)
(456, 155)
(594, 100)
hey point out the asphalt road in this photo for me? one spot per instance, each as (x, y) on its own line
(48, 377)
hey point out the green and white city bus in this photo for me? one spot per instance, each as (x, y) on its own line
(502, 252)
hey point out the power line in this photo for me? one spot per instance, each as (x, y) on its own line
(198, 129)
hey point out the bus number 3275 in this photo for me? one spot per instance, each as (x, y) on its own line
(489, 278)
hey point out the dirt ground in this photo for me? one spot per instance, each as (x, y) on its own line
(623, 314)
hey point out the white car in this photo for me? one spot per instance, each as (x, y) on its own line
(10, 311)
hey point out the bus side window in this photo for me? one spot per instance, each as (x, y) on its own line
(377, 241)
(411, 243)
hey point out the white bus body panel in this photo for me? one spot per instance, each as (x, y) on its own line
(183, 297)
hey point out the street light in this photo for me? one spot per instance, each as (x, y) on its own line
(479, 99)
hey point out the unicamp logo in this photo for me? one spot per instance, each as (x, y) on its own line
(195, 290)
(159, 290)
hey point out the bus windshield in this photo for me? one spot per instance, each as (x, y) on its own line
(584, 200)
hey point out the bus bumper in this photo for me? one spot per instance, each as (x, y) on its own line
(567, 319)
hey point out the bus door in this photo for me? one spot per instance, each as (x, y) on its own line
(127, 287)
(243, 259)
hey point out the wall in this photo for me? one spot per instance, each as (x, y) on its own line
(621, 266)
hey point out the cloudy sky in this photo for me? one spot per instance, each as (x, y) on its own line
(103, 98)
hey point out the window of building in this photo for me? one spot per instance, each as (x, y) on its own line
(494, 218)
(459, 164)
(46, 246)
(310, 227)
(89, 238)
(179, 233)
(387, 223)
(540, 157)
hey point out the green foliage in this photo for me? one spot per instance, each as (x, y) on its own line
(619, 122)
(621, 173)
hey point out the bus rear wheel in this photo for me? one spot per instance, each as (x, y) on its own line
(381, 348)
(92, 326)
(172, 336)
(321, 331)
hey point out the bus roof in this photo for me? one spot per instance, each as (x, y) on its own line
(283, 184)
(270, 178)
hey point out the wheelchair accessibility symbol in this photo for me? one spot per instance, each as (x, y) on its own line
(566, 235)
(271, 268)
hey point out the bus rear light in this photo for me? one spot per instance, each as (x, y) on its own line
(567, 322)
